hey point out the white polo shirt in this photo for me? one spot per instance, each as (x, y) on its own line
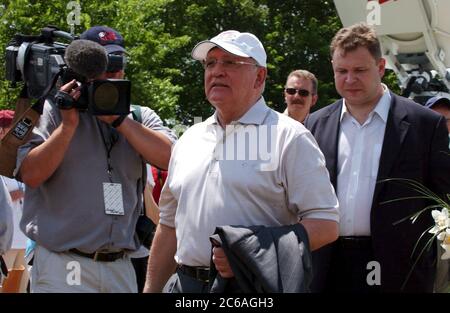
(273, 178)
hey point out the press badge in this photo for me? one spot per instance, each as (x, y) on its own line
(112, 196)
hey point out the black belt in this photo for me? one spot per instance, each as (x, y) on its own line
(100, 256)
(355, 242)
(197, 272)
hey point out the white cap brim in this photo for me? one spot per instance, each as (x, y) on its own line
(201, 50)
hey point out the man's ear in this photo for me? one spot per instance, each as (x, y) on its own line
(314, 100)
(260, 77)
(381, 66)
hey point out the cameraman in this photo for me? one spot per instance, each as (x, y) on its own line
(114, 45)
(84, 177)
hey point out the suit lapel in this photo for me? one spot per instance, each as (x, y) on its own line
(327, 134)
(396, 130)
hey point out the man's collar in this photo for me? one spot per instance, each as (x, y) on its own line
(383, 106)
(255, 115)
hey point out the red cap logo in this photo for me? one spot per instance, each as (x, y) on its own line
(107, 36)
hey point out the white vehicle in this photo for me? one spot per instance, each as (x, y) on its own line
(415, 40)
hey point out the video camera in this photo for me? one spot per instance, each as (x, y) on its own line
(39, 62)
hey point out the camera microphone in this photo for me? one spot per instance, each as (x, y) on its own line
(86, 61)
(86, 58)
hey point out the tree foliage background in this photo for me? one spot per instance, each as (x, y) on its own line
(160, 34)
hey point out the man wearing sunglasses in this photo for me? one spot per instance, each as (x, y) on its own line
(210, 184)
(300, 94)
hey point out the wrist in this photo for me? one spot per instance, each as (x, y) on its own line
(63, 100)
(68, 129)
(118, 121)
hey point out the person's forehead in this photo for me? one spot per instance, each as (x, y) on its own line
(358, 56)
(299, 82)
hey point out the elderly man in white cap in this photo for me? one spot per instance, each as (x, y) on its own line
(245, 165)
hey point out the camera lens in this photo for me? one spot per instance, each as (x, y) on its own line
(106, 96)
(109, 97)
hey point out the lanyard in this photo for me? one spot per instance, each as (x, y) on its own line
(113, 138)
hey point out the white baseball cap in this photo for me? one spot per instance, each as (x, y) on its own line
(234, 42)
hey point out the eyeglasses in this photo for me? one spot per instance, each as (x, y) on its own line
(301, 92)
(227, 64)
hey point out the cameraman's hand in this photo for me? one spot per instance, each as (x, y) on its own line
(221, 262)
(42, 161)
(70, 118)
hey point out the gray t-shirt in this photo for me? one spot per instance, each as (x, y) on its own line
(68, 211)
(6, 221)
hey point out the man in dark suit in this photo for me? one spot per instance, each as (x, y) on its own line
(368, 136)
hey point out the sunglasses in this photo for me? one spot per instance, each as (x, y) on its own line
(301, 92)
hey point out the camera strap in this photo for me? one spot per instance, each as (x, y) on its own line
(25, 118)
(112, 140)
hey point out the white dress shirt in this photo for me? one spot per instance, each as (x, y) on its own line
(359, 153)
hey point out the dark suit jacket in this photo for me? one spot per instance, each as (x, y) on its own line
(415, 146)
(263, 259)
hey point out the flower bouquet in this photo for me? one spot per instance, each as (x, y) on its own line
(440, 212)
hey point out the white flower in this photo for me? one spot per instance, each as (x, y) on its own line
(441, 221)
(441, 236)
(446, 245)
(446, 254)
(446, 237)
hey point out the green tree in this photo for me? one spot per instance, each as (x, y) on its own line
(298, 37)
(26, 17)
(296, 34)
(139, 21)
(160, 35)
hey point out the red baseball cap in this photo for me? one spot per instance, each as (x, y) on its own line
(108, 37)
